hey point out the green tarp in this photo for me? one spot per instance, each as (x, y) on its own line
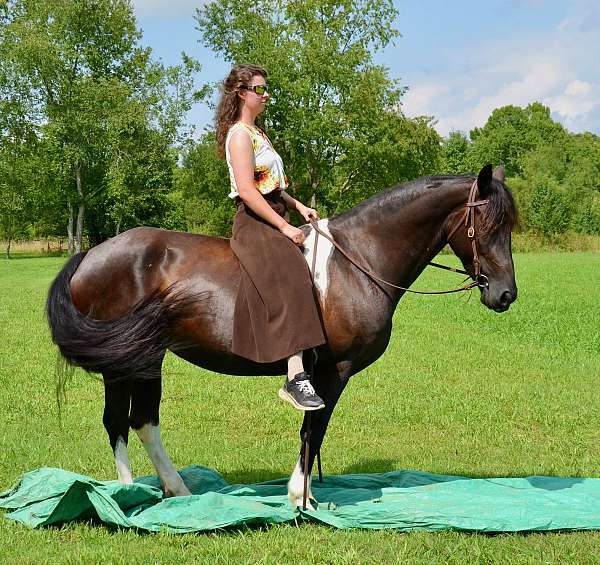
(403, 500)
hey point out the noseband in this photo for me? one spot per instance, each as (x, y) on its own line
(468, 218)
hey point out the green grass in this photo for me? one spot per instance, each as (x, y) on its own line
(460, 390)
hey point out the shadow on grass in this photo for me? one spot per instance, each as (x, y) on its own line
(370, 466)
(252, 476)
(20, 256)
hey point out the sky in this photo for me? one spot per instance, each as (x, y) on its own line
(459, 59)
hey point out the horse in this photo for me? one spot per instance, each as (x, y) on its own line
(118, 307)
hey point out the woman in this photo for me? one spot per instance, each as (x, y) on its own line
(276, 316)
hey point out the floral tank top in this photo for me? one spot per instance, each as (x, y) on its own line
(268, 165)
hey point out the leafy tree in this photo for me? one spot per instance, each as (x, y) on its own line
(335, 117)
(401, 150)
(549, 212)
(571, 165)
(510, 133)
(204, 184)
(96, 92)
(18, 182)
(454, 150)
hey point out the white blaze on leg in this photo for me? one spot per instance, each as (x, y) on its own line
(122, 462)
(296, 488)
(324, 251)
(169, 477)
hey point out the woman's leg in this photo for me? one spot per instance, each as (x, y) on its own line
(297, 389)
(295, 365)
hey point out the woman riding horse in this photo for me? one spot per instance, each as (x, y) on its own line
(117, 308)
(275, 314)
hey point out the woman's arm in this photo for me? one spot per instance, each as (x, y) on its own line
(306, 212)
(292, 203)
(242, 162)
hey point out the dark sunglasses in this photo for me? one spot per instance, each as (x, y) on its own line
(259, 89)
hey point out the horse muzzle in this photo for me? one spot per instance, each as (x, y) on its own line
(497, 300)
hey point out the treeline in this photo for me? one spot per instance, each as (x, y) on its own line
(89, 122)
(554, 174)
(93, 137)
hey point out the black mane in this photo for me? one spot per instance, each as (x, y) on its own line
(500, 211)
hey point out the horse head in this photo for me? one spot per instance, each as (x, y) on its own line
(481, 237)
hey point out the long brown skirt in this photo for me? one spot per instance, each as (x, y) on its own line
(275, 311)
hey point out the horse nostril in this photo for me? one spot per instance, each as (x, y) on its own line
(505, 299)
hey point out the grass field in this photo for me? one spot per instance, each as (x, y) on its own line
(460, 390)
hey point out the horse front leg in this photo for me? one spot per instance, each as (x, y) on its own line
(329, 385)
(144, 419)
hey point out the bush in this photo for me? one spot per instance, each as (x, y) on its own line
(549, 212)
(586, 219)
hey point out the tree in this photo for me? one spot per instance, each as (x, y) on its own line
(332, 105)
(94, 90)
(18, 181)
(510, 133)
(204, 184)
(572, 165)
(455, 151)
(549, 212)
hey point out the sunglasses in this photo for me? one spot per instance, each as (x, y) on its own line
(259, 89)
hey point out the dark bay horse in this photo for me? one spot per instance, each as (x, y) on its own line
(116, 309)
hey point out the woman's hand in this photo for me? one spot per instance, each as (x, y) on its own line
(295, 234)
(307, 213)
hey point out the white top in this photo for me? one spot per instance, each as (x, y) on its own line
(268, 165)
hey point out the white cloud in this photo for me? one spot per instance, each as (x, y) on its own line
(558, 68)
(578, 88)
(577, 106)
(419, 99)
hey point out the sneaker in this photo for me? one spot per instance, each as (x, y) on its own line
(300, 393)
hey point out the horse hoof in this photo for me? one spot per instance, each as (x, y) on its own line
(297, 503)
(181, 490)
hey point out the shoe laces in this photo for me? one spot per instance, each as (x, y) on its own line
(306, 387)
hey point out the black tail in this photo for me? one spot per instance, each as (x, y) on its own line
(131, 346)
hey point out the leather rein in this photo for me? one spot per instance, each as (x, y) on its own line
(467, 219)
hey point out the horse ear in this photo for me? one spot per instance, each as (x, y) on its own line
(498, 173)
(484, 179)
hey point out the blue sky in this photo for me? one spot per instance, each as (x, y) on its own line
(459, 59)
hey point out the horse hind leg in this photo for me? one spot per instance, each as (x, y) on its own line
(117, 397)
(144, 419)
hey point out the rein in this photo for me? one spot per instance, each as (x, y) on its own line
(468, 219)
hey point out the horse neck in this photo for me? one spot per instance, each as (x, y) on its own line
(395, 237)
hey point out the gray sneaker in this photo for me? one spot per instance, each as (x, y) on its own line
(300, 393)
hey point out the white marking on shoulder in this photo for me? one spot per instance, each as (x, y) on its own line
(324, 251)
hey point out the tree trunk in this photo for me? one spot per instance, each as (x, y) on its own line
(79, 229)
(8, 232)
(80, 212)
(71, 243)
(118, 230)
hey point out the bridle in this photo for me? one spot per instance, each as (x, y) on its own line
(467, 219)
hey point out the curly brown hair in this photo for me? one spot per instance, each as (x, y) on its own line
(228, 109)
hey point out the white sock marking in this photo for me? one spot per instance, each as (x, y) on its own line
(172, 482)
(122, 462)
(324, 251)
(296, 488)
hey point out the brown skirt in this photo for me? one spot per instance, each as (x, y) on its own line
(275, 311)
